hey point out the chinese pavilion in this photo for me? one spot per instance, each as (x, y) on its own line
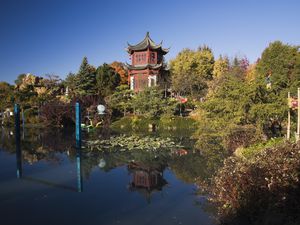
(147, 67)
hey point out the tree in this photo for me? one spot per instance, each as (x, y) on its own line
(25, 93)
(241, 97)
(107, 80)
(191, 70)
(221, 66)
(48, 88)
(70, 83)
(151, 103)
(6, 95)
(251, 73)
(85, 79)
(19, 79)
(120, 69)
(121, 99)
(239, 67)
(282, 63)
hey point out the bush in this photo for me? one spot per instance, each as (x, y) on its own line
(260, 190)
(31, 116)
(240, 136)
(57, 113)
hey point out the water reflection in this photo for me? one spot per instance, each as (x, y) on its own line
(146, 179)
(117, 184)
(18, 153)
(53, 145)
(56, 147)
(35, 159)
(79, 170)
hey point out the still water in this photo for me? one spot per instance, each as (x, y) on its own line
(46, 180)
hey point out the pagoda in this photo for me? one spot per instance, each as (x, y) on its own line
(147, 66)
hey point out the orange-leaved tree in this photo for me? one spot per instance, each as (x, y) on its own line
(121, 70)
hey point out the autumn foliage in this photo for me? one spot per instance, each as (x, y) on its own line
(264, 188)
(120, 69)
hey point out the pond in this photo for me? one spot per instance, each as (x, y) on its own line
(44, 179)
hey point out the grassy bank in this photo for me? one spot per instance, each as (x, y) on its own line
(181, 125)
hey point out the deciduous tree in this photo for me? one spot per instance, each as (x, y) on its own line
(120, 69)
(191, 70)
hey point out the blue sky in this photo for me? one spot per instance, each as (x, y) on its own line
(52, 36)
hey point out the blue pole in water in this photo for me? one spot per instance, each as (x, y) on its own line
(78, 146)
(78, 125)
(18, 145)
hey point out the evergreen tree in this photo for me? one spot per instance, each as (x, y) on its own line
(121, 99)
(85, 79)
(70, 83)
(107, 80)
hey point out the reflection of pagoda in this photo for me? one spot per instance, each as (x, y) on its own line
(147, 67)
(146, 179)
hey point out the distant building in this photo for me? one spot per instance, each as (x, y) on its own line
(147, 67)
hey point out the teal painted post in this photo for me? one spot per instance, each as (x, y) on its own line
(78, 125)
(78, 146)
(79, 174)
(18, 144)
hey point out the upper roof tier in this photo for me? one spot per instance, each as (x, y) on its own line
(145, 44)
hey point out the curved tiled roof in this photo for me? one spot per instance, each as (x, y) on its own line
(147, 43)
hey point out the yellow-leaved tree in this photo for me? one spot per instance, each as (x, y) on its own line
(190, 71)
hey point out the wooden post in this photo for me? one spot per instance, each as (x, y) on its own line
(78, 125)
(298, 116)
(288, 132)
(18, 145)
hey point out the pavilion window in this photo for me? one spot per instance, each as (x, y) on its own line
(152, 57)
(140, 58)
(144, 57)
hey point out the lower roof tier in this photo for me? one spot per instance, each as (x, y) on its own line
(144, 66)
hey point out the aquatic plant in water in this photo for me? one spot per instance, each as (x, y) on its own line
(129, 143)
